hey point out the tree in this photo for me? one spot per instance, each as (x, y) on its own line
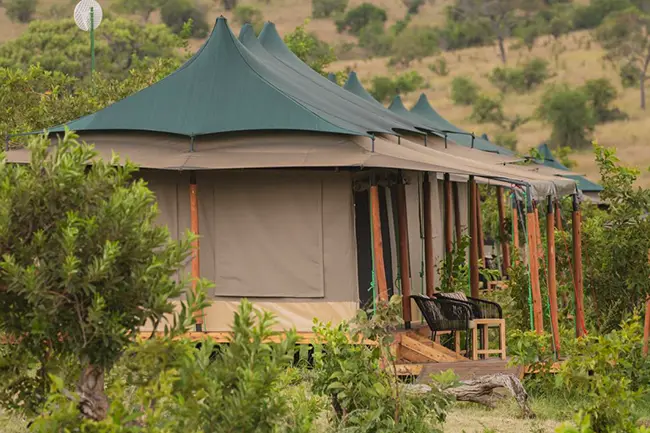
(229, 4)
(327, 8)
(359, 17)
(175, 13)
(243, 14)
(625, 36)
(568, 111)
(84, 264)
(464, 91)
(120, 44)
(144, 8)
(414, 43)
(601, 94)
(20, 10)
(311, 50)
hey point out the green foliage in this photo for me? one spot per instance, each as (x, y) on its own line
(439, 67)
(175, 13)
(488, 110)
(364, 396)
(593, 14)
(629, 74)
(245, 14)
(568, 111)
(563, 153)
(522, 79)
(454, 270)
(376, 40)
(582, 424)
(327, 8)
(413, 6)
(506, 139)
(144, 8)
(414, 43)
(311, 50)
(601, 93)
(120, 45)
(21, 11)
(384, 89)
(464, 91)
(459, 31)
(359, 17)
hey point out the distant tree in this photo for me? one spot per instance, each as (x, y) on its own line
(229, 4)
(488, 110)
(384, 89)
(601, 93)
(144, 8)
(243, 14)
(376, 40)
(413, 6)
(175, 13)
(120, 44)
(359, 17)
(84, 264)
(414, 43)
(625, 36)
(327, 8)
(569, 113)
(464, 90)
(20, 10)
(311, 50)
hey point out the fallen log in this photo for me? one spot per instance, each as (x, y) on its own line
(482, 391)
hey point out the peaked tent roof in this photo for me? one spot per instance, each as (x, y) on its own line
(424, 109)
(354, 85)
(274, 45)
(549, 160)
(332, 77)
(222, 88)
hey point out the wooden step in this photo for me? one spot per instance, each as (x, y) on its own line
(468, 370)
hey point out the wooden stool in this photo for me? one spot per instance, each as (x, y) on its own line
(485, 324)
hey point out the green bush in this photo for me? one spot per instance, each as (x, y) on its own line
(308, 48)
(375, 39)
(21, 11)
(601, 93)
(507, 140)
(629, 74)
(413, 6)
(327, 8)
(175, 13)
(439, 67)
(359, 17)
(487, 110)
(464, 91)
(384, 89)
(244, 14)
(414, 43)
(460, 31)
(523, 79)
(592, 15)
(569, 113)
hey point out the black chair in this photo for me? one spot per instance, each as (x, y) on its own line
(443, 314)
(481, 309)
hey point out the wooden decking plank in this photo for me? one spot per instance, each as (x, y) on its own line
(436, 346)
(433, 353)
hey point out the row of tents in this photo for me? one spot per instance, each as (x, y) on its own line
(300, 188)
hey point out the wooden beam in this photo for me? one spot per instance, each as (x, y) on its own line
(578, 283)
(552, 277)
(479, 225)
(432, 353)
(404, 262)
(378, 245)
(538, 318)
(473, 244)
(505, 245)
(428, 237)
(449, 229)
(457, 223)
(194, 227)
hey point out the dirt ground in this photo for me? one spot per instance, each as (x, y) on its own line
(473, 419)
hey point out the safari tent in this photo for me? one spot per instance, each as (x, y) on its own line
(297, 187)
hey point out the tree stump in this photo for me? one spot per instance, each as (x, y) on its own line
(481, 391)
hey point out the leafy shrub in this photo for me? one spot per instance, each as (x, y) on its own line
(488, 110)
(568, 111)
(464, 91)
(507, 140)
(592, 15)
(629, 74)
(413, 6)
(384, 88)
(308, 48)
(327, 8)
(459, 31)
(375, 39)
(414, 43)
(601, 93)
(439, 67)
(359, 17)
(21, 11)
(523, 79)
(244, 14)
(175, 13)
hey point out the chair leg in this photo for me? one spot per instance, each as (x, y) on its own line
(485, 345)
(502, 339)
(456, 342)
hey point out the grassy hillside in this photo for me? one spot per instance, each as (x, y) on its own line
(580, 59)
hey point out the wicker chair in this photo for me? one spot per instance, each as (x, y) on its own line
(481, 309)
(445, 315)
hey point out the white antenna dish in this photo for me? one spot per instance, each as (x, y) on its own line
(82, 14)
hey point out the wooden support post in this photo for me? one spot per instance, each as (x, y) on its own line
(538, 233)
(449, 230)
(552, 277)
(404, 262)
(378, 245)
(457, 224)
(505, 245)
(194, 227)
(646, 327)
(473, 244)
(428, 236)
(538, 318)
(558, 216)
(578, 283)
(479, 225)
(515, 228)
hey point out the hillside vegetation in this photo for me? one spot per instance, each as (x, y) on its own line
(573, 58)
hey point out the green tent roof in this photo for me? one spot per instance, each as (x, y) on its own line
(424, 109)
(324, 89)
(397, 106)
(224, 87)
(354, 85)
(549, 160)
(332, 77)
